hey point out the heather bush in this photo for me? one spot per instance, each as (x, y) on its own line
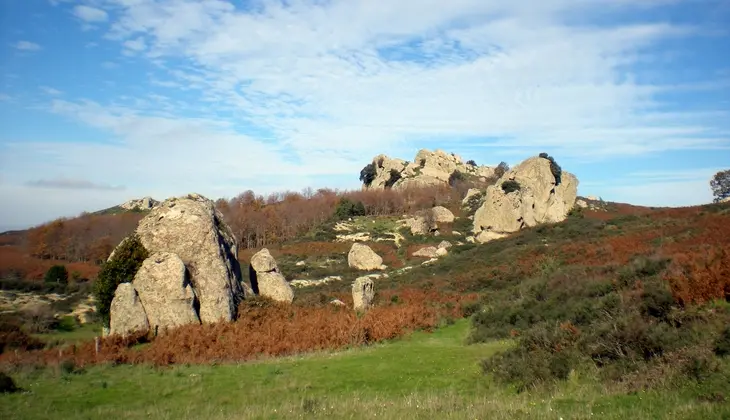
(57, 274)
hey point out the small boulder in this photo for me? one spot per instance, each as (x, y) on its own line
(442, 252)
(445, 245)
(263, 261)
(337, 302)
(362, 257)
(427, 252)
(441, 214)
(127, 315)
(363, 293)
(274, 286)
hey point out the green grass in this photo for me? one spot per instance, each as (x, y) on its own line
(80, 333)
(421, 376)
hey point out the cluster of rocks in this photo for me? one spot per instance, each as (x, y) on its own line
(429, 168)
(146, 203)
(427, 221)
(191, 276)
(537, 196)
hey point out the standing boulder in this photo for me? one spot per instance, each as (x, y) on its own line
(166, 292)
(441, 214)
(363, 293)
(525, 196)
(127, 315)
(362, 257)
(266, 280)
(191, 228)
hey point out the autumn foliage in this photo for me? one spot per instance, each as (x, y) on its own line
(267, 329)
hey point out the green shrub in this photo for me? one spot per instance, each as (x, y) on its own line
(511, 186)
(394, 177)
(471, 163)
(347, 208)
(501, 169)
(57, 274)
(456, 177)
(722, 344)
(121, 268)
(368, 173)
(555, 169)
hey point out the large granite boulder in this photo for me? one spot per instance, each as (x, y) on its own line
(267, 280)
(362, 257)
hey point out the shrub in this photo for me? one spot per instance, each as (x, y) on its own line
(422, 163)
(501, 169)
(394, 177)
(39, 318)
(121, 268)
(368, 173)
(347, 208)
(554, 167)
(7, 385)
(456, 177)
(57, 274)
(471, 163)
(511, 186)
(722, 344)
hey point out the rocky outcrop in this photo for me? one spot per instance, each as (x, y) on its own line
(191, 228)
(535, 197)
(140, 204)
(427, 221)
(363, 293)
(127, 315)
(362, 257)
(429, 168)
(166, 292)
(267, 280)
(192, 274)
(426, 252)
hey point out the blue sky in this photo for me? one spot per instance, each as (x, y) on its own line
(102, 101)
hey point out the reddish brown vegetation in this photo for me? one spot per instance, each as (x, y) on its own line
(268, 330)
(15, 262)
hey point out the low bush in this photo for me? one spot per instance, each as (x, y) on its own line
(511, 186)
(7, 384)
(57, 274)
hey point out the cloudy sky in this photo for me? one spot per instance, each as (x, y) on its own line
(107, 100)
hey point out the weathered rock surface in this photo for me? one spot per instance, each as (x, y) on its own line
(362, 257)
(442, 252)
(539, 200)
(429, 168)
(441, 214)
(267, 280)
(445, 245)
(165, 292)
(127, 315)
(191, 228)
(363, 293)
(427, 252)
(274, 286)
(145, 203)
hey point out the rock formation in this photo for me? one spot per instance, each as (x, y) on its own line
(267, 280)
(362, 257)
(192, 274)
(427, 221)
(535, 197)
(363, 293)
(127, 313)
(146, 203)
(429, 168)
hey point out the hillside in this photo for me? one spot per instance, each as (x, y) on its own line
(586, 316)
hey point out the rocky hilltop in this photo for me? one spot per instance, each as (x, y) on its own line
(145, 203)
(429, 168)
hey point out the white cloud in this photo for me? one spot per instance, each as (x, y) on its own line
(27, 46)
(50, 91)
(317, 89)
(90, 14)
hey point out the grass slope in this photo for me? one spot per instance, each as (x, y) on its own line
(421, 376)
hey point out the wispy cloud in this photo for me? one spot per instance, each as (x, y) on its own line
(72, 184)
(27, 46)
(90, 14)
(50, 91)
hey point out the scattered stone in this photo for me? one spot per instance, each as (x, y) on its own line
(442, 252)
(427, 252)
(274, 286)
(337, 302)
(363, 293)
(445, 245)
(309, 283)
(300, 263)
(362, 257)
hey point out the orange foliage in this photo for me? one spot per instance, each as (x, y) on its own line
(13, 261)
(273, 330)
